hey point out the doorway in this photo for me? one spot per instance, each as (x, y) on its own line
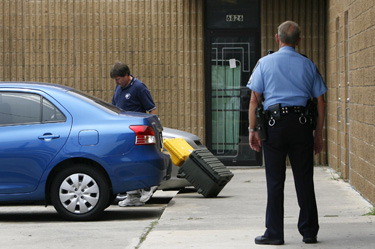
(232, 45)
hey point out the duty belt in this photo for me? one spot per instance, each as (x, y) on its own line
(290, 109)
(276, 111)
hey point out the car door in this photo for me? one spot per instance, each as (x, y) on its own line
(33, 130)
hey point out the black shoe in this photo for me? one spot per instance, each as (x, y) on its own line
(262, 240)
(310, 240)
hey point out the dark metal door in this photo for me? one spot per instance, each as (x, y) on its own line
(231, 58)
(232, 45)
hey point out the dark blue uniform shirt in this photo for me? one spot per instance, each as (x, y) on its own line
(134, 97)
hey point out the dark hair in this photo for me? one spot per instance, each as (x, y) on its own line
(119, 69)
(288, 32)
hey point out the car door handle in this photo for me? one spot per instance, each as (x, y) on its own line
(48, 137)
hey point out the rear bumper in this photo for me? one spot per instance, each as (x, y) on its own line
(142, 171)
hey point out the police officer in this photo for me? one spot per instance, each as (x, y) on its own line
(287, 80)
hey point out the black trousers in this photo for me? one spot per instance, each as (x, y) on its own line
(288, 137)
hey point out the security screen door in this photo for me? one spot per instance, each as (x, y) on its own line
(232, 48)
(232, 57)
(226, 78)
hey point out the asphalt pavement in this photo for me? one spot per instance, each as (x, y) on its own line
(236, 216)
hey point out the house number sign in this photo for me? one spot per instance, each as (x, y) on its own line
(234, 18)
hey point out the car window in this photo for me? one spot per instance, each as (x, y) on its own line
(95, 101)
(18, 108)
(51, 114)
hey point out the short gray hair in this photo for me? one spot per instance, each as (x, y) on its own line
(288, 32)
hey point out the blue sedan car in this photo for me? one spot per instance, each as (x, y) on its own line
(61, 146)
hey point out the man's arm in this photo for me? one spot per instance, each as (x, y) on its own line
(154, 112)
(254, 140)
(318, 133)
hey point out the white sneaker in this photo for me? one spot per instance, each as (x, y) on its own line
(121, 197)
(131, 202)
(146, 195)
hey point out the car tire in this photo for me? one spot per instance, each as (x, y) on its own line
(111, 200)
(80, 193)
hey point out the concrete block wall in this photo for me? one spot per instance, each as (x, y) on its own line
(75, 43)
(351, 102)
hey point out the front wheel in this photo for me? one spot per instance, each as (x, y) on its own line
(79, 193)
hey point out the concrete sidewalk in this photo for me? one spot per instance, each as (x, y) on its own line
(236, 216)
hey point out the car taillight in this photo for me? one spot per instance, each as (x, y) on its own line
(143, 134)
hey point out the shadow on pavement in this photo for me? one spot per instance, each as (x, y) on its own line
(38, 213)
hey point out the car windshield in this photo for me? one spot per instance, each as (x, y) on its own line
(95, 101)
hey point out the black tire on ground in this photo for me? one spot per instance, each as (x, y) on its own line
(111, 200)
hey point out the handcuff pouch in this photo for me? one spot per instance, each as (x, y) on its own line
(275, 111)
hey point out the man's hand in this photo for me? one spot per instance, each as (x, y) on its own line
(318, 142)
(254, 141)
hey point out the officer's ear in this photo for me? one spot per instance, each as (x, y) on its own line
(299, 39)
(277, 38)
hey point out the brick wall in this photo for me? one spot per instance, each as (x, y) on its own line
(351, 102)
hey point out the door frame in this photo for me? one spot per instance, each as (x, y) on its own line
(209, 34)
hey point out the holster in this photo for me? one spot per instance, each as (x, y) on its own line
(311, 111)
(261, 122)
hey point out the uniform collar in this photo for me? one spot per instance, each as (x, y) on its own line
(287, 48)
